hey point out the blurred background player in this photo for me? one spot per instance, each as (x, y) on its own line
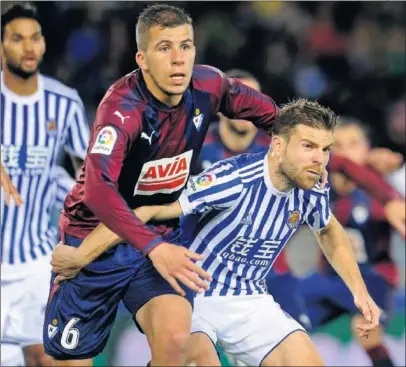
(39, 117)
(365, 222)
(230, 137)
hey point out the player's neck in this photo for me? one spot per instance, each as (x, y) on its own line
(279, 181)
(20, 86)
(234, 141)
(161, 96)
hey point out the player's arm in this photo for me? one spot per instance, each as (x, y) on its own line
(77, 134)
(64, 183)
(108, 149)
(236, 100)
(369, 180)
(336, 246)
(364, 177)
(67, 258)
(9, 188)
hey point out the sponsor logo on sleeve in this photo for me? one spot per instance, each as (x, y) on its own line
(105, 141)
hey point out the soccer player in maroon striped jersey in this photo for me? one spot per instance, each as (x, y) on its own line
(149, 129)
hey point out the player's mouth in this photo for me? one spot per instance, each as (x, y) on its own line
(178, 78)
(314, 173)
(29, 61)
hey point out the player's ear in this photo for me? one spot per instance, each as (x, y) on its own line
(278, 144)
(141, 60)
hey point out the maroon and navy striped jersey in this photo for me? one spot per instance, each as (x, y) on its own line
(141, 151)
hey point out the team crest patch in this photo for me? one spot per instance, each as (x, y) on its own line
(293, 219)
(51, 127)
(52, 328)
(105, 141)
(205, 180)
(198, 119)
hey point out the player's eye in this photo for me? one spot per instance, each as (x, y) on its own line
(164, 49)
(36, 38)
(186, 47)
(328, 149)
(307, 146)
(16, 38)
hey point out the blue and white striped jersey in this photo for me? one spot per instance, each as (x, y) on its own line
(244, 222)
(64, 183)
(34, 129)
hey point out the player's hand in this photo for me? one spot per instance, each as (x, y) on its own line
(324, 178)
(370, 311)
(175, 263)
(384, 160)
(9, 188)
(66, 261)
(68, 274)
(395, 214)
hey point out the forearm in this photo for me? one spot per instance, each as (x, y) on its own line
(335, 245)
(102, 238)
(159, 212)
(97, 242)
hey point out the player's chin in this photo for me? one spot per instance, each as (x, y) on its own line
(31, 70)
(176, 90)
(307, 183)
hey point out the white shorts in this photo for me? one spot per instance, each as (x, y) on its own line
(11, 355)
(247, 327)
(23, 303)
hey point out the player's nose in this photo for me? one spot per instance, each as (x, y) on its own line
(177, 57)
(318, 157)
(28, 46)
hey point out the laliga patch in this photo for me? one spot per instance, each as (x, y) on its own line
(205, 180)
(105, 141)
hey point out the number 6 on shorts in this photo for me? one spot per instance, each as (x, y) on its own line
(70, 335)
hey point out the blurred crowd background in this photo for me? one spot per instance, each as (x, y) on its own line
(348, 55)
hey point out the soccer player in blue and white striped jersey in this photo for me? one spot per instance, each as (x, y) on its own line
(39, 117)
(249, 206)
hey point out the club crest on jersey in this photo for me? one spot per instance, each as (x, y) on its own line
(105, 141)
(51, 127)
(198, 119)
(205, 180)
(52, 328)
(293, 218)
(164, 176)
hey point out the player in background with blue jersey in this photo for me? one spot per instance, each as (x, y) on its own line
(39, 117)
(249, 206)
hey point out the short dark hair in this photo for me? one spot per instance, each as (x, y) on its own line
(23, 10)
(346, 121)
(166, 16)
(303, 112)
(240, 74)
